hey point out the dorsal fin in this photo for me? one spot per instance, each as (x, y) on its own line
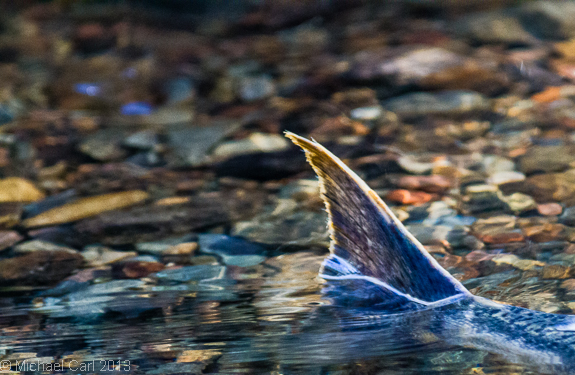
(367, 241)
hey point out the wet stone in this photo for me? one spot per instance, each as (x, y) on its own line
(192, 273)
(234, 251)
(555, 271)
(431, 184)
(552, 20)
(134, 269)
(549, 209)
(160, 247)
(256, 142)
(143, 140)
(40, 245)
(494, 27)
(519, 203)
(191, 145)
(547, 159)
(454, 102)
(505, 177)
(15, 189)
(568, 217)
(39, 267)
(9, 238)
(96, 256)
(104, 145)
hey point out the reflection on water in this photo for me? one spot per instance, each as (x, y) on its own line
(267, 318)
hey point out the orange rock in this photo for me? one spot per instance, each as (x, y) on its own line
(549, 209)
(504, 237)
(431, 184)
(409, 197)
(544, 233)
(548, 95)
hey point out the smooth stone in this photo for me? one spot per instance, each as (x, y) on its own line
(256, 88)
(414, 166)
(142, 140)
(493, 164)
(550, 209)
(168, 116)
(568, 217)
(505, 177)
(453, 102)
(40, 245)
(16, 189)
(97, 256)
(519, 203)
(547, 159)
(234, 251)
(366, 113)
(50, 202)
(550, 19)
(192, 273)
(87, 207)
(191, 145)
(159, 247)
(256, 142)
(38, 267)
(9, 238)
(516, 262)
(494, 27)
(104, 145)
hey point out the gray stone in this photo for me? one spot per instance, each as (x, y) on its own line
(104, 145)
(452, 102)
(233, 251)
(550, 19)
(547, 159)
(35, 245)
(191, 145)
(192, 273)
(493, 27)
(256, 88)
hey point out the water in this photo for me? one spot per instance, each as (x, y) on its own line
(268, 318)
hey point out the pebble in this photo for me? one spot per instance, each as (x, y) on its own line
(191, 145)
(409, 197)
(40, 245)
(505, 177)
(555, 271)
(547, 159)
(516, 262)
(86, 207)
(454, 102)
(430, 184)
(520, 203)
(553, 20)
(256, 142)
(192, 273)
(549, 209)
(16, 189)
(234, 251)
(8, 238)
(493, 164)
(96, 256)
(494, 27)
(256, 88)
(366, 113)
(104, 145)
(38, 267)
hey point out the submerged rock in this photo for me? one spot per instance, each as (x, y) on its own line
(233, 251)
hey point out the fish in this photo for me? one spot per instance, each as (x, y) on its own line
(379, 271)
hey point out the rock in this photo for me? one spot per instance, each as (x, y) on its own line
(104, 145)
(190, 146)
(549, 209)
(568, 217)
(493, 164)
(186, 248)
(15, 189)
(404, 66)
(40, 245)
(168, 116)
(500, 178)
(97, 256)
(9, 238)
(192, 273)
(198, 355)
(233, 251)
(482, 198)
(403, 196)
(255, 88)
(555, 271)
(366, 113)
(516, 262)
(38, 267)
(431, 184)
(87, 207)
(494, 27)
(160, 247)
(143, 140)
(545, 233)
(135, 269)
(256, 142)
(179, 90)
(453, 102)
(519, 203)
(547, 159)
(553, 20)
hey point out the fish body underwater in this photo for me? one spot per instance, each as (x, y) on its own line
(379, 275)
